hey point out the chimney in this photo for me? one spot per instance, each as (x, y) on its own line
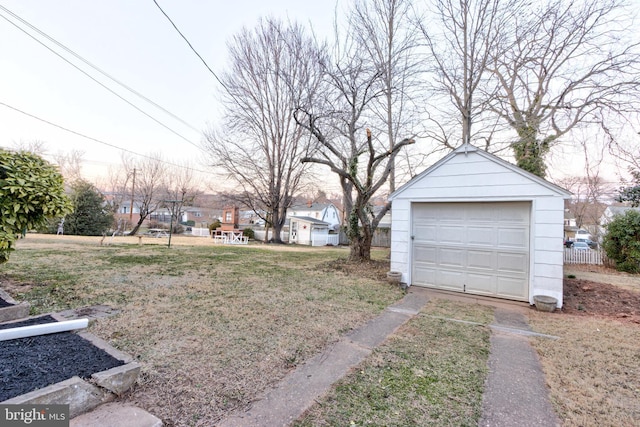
(309, 202)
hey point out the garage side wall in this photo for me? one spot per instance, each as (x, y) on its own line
(471, 177)
(548, 258)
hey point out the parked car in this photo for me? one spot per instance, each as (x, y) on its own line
(581, 246)
(568, 243)
(589, 242)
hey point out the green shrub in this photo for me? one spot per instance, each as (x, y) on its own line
(214, 225)
(622, 241)
(31, 191)
(249, 233)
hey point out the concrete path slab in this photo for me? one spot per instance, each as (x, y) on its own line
(299, 390)
(515, 390)
(116, 414)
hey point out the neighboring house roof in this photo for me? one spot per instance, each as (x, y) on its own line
(313, 221)
(310, 207)
(468, 148)
(621, 210)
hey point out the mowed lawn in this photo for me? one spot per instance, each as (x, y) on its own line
(214, 326)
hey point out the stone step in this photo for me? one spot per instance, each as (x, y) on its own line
(116, 414)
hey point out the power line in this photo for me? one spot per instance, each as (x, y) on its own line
(226, 88)
(94, 79)
(100, 141)
(98, 69)
(190, 45)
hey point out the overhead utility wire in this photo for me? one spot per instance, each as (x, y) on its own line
(98, 69)
(99, 141)
(192, 48)
(97, 81)
(198, 55)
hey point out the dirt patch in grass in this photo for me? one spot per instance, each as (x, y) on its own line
(587, 298)
(374, 269)
(592, 290)
(602, 274)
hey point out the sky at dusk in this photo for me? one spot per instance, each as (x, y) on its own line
(134, 43)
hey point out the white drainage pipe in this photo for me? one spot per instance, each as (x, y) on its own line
(42, 329)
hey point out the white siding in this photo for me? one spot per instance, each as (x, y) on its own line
(474, 177)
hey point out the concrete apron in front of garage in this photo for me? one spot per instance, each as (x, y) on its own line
(81, 395)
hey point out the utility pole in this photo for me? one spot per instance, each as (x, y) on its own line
(133, 187)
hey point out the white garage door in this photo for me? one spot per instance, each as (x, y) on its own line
(477, 248)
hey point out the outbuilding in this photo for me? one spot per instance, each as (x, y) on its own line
(476, 224)
(305, 230)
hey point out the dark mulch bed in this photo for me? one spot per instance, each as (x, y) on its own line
(3, 303)
(587, 298)
(27, 364)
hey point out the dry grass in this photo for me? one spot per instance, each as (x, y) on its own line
(593, 370)
(431, 372)
(213, 326)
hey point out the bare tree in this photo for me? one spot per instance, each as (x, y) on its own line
(461, 40)
(149, 183)
(568, 63)
(336, 119)
(70, 164)
(386, 32)
(273, 69)
(180, 191)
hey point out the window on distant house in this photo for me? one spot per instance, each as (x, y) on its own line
(227, 217)
(124, 209)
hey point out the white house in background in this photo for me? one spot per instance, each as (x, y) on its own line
(326, 212)
(610, 212)
(476, 224)
(305, 230)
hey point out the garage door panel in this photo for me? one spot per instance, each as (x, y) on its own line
(484, 284)
(424, 276)
(450, 235)
(450, 279)
(426, 254)
(481, 235)
(512, 262)
(479, 248)
(513, 238)
(511, 288)
(451, 257)
(481, 260)
(426, 233)
(516, 212)
(450, 212)
(481, 213)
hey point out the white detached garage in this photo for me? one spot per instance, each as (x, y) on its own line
(476, 224)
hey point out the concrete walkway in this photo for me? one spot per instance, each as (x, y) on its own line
(299, 390)
(515, 391)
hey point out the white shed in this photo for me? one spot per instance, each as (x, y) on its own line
(305, 230)
(477, 224)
